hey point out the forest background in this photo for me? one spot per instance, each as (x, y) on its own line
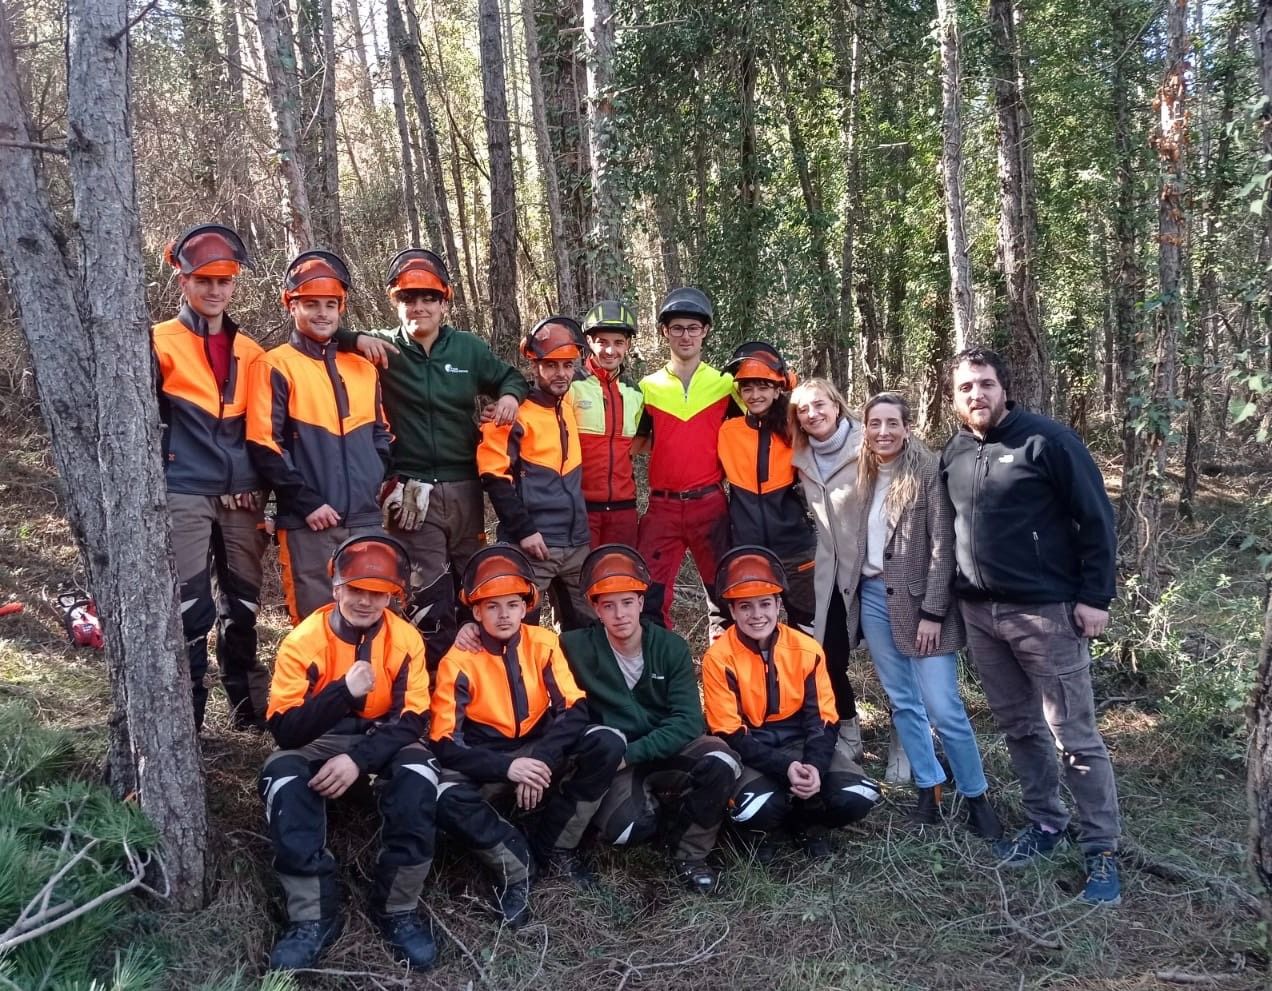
(867, 185)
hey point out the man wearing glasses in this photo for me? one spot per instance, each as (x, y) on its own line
(686, 401)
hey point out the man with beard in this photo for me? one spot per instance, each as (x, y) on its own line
(1035, 549)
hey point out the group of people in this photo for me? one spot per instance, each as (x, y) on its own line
(416, 659)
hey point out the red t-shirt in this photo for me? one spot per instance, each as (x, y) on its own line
(219, 355)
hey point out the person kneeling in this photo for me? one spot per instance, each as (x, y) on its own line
(349, 698)
(768, 697)
(509, 723)
(639, 679)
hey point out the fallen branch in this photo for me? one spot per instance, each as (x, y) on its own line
(1185, 977)
(47, 149)
(1020, 930)
(706, 953)
(1118, 700)
(1138, 858)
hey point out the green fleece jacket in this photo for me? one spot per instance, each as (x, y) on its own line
(430, 401)
(662, 713)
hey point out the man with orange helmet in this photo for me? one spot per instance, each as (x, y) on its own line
(511, 727)
(317, 432)
(768, 696)
(532, 470)
(431, 384)
(350, 698)
(202, 362)
(608, 408)
(640, 679)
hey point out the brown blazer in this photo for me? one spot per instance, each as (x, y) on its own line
(918, 567)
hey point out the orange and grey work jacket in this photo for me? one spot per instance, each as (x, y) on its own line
(762, 700)
(765, 506)
(204, 421)
(308, 696)
(532, 469)
(608, 410)
(317, 433)
(511, 698)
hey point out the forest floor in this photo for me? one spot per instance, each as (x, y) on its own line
(891, 909)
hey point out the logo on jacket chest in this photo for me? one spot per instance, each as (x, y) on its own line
(452, 370)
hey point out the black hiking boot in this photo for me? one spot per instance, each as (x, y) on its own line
(570, 863)
(302, 943)
(982, 820)
(512, 902)
(927, 809)
(410, 939)
(814, 843)
(697, 876)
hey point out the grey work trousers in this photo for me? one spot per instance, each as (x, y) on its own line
(304, 554)
(1035, 667)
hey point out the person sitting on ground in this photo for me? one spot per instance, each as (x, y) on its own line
(532, 469)
(766, 505)
(640, 679)
(510, 726)
(768, 697)
(905, 608)
(316, 432)
(350, 698)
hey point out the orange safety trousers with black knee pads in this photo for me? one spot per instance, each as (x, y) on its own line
(315, 718)
(217, 550)
(317, 434)
(511, 699)
(773, 704)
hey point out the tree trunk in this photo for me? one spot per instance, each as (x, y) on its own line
(505, 318)
(238, 179)
(1026, 347)
(747, 271)
(598, 34)
(365, 88)
(567, 297)
(1263, 51)
(848, 70)
(1259, 762)
(274, 23)
(436, 174)
(871, 332)
(398, 44)
(668, 241)
(84, 318)
(330, 173)
(962, 294)
(1170, 140)
(404, 141)
(203, 73)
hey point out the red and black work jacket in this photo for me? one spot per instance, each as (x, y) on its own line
(532, 469)
(204, 420)
(308, 696)
(608, 410)
(765, 503)
(490, 705)
(317, 433)
(761, 700)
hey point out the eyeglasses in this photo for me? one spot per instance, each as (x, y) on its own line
(686, 330)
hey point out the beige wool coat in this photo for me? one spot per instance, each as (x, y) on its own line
(918, 567)
(836, 509)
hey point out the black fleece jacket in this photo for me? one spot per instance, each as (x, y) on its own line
(1032, 522)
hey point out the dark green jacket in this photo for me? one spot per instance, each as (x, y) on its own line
(430, 400)
(662, 713)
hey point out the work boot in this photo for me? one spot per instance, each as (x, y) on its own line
(814, 843)
(1103, 885)
(898, 763)
(410, 939)
(759, 846)
(697, 876)
(302, 943)
(570, 863)
(982, 819)
(848, 741)
(1025, 847)
(927, 809)
(512, 901)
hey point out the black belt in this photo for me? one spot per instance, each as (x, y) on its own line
(605, 507)
(706, 490)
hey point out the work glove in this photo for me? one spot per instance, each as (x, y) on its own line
(414, 504)
(391, 503)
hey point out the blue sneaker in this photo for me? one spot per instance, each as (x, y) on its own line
(1026, 847)
(1103, 885)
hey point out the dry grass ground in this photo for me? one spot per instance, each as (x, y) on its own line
(891, 909)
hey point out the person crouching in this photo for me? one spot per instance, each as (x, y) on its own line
(768, 696)
(511, 727)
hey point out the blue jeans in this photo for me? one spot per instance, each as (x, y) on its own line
(920, 689)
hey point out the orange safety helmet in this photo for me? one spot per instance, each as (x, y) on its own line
(614, 568)
(554, 338)
(500, 569)
(749, 571)
(418, 268)
(372, 562)
(208, 249)
(758, 360)
(316, 273)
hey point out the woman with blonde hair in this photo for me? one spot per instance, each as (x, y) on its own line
(904, 609)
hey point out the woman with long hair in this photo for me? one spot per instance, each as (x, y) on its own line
(825, 446)
(904, 608)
